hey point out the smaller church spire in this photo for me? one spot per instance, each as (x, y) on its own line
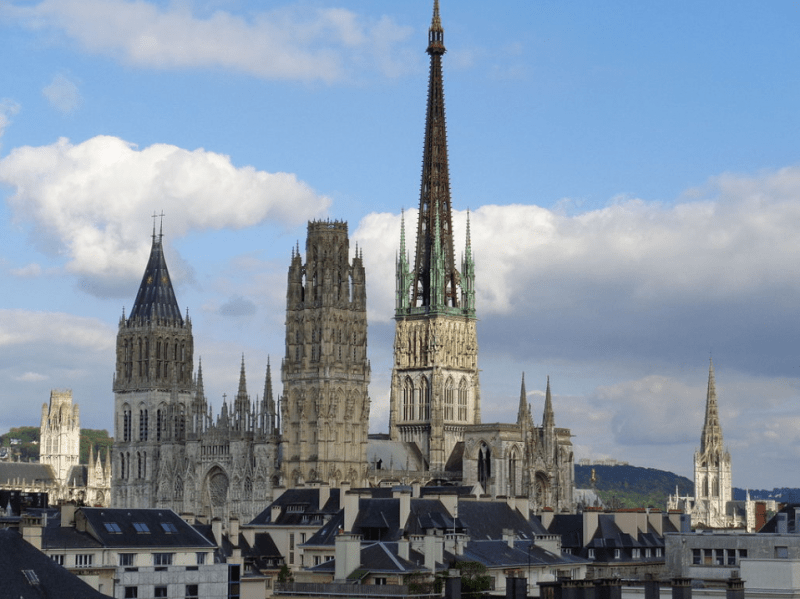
(711, 438)
(268, 403)
(522, 412)
(548, 420)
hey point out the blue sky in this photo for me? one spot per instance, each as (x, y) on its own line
(632, 171)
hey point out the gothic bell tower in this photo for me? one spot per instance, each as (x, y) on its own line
(153, 384)
(435, 390)
(325, 405)
(712, 466)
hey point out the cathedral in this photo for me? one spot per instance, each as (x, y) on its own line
(712, 506)
(170, 451)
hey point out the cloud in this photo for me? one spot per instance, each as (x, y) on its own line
(635, 279)
(8, 108)
(63, 94)
(237, 306)
(29, 271)
(88, 201)
(292, 42)
(44, 350)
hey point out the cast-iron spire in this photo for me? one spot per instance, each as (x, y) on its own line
(434, 201)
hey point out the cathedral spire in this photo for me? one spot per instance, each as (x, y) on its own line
(268, 404)
(711, 437)
(434, 202)
(548, 420)
(522, 412)
(241, 405)
(156, 298)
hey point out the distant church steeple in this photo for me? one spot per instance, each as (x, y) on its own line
(712, 467)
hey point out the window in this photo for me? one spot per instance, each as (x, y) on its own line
(84, 559)
(731, 557)
(112, 527)
(380, 581)
(59, 559)
(291, 541)
(160, 591)
(719, 557)
(31, 577)
(191, 591)
(127, 559)
(696, 556)
(782, 552)
(647, 552)
(317, 560)
(169, 527)
(636, 553)
(131, 592)
(141, 527)
(591, 553)
(742, 553)
(658, 551)
(616, 554)
(162, 559)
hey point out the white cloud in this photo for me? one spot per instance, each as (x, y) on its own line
(325, 44)
(31, 377)
(90, 200)
(63, 94)
(8, 108)
(28, 271)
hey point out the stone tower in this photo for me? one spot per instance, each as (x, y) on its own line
(325, 373)
(435, 390)
(153, 384)
(59, 434)
(712, 467)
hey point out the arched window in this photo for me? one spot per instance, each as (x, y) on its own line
(462, 400)
(139, 465)
(715, 487)
(513, 490)
(449, 399)
(424, 399)
(122, 466)
(484, 466)
(408, 399)
(143, 425)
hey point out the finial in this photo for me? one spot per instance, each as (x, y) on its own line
(469, 233)
(436, 32)
(160, 227)
(154, 217)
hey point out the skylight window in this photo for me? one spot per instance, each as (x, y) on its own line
(31, 577)
(141, 527)
(112, 527)
(169, 527)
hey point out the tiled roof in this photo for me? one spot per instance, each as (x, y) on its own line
(143, 528)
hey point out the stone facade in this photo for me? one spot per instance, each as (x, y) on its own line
(326, 371)
(59, 448)
(169, 451)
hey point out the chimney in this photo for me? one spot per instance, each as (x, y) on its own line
(347, 554)
(67, 514)
(686, 523)
(450, 503)
(216, 530)
(350, 508)
(324, 495)
(434, 551)
(32, 529)
(233, 530)
(404, 495)
(782, 523)
(547, 519)
(797, 520)
(589, 525)
(275, 512)
(508, 537)
(402, 548)
(415, 489)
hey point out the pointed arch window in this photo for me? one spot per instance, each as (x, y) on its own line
(513, 489)
(462, 400)
(408, 399)
(424, 399)
(126, 425)
(484, 466)
(449, 399)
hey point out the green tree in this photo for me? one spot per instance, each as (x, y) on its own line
(474, 579)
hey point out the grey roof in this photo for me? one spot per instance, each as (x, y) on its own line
(486, 520)
(10, 471)
(27, 573)
(162, 528)
(299, 506)
(78, 475)
(381, 558)
(498, 554)
(156, 298)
